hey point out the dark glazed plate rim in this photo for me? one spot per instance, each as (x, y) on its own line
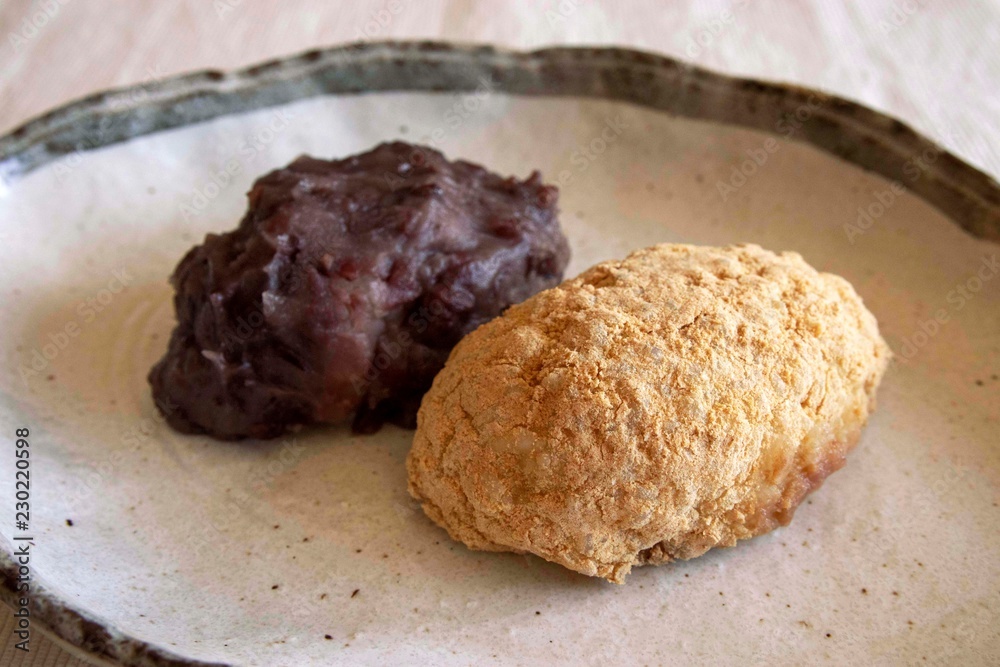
(846, 129)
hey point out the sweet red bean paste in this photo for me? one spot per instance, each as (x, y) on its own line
(344, 288)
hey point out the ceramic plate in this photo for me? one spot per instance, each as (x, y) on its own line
(153, 548)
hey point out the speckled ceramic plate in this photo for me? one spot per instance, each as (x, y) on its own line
(152, 548)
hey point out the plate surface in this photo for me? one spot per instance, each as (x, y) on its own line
(309, 550)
